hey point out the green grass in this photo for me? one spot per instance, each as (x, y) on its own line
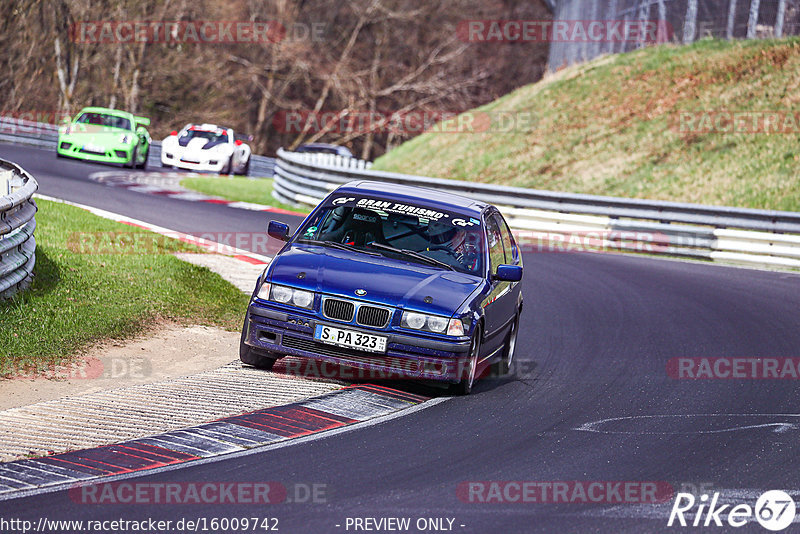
(610, 127)
(84, 293)
(238, 189)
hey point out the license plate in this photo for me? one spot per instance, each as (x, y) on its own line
(94, 148)
(350, 339)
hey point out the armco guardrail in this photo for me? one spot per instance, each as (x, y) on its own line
(17, 223)
(43, 135)
(547, 220)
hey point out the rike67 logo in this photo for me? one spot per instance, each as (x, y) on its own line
(774, 510)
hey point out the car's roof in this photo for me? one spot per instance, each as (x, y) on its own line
(206, 127)
(324, 147)
(405, 193)
(321, 145)
(107, 111)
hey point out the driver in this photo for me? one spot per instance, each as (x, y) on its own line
(457, 242)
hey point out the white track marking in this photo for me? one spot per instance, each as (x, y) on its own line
(777, 426)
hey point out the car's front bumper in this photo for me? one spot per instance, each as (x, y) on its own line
(203, 164)
(73, 148)
(406, 357)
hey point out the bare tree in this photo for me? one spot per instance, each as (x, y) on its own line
(373, 57)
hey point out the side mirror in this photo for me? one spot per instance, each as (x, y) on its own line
(508, 273)
(238, 142)
(278, 230)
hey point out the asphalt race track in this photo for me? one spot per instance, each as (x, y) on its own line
(68, 180)
(592, 400)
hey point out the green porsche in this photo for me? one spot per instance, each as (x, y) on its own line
(107, 135)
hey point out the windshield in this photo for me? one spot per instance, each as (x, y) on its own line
(103, 119)
(413, 233)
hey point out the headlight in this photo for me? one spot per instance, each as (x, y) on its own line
(302, 299)
(432, 323)
(281, 294)
(413, 320)
(437, 324)
(286, 295)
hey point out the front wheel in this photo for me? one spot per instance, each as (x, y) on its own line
(503, 367)
(228, 169)
(251, 356)
(132, 163)
(464, 386)
(143, 164)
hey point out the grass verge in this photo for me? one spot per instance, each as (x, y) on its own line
(617, 126)
(85, 292)
(238, 189)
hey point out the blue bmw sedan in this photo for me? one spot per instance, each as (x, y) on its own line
(411, 282)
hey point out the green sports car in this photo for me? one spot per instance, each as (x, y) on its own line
(107, 135)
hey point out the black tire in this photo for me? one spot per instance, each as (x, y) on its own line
(246, 171)
(503, 367)
(228, 169)
(144, 161)
(132, 163)
(251, 356)
(464, 386)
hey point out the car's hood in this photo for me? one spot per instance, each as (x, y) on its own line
(387, 281)
(198, 146)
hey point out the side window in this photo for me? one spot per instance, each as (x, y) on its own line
(496, 252)
(508, 240)
(317, 225)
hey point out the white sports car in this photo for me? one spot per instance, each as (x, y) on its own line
(206, 147)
